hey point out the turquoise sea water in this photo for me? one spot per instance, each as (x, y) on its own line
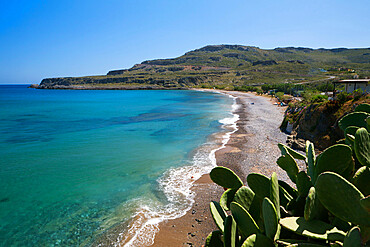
(74, 164)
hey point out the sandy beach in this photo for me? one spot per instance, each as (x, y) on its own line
(252, 148)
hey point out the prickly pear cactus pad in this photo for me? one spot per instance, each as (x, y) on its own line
(274, 193)
(230, 232)
(283, 148)
(244, 196)
(214, 239)
(258, 240)
(353, 238)
(246, 223)
(351, 131)
(336, 158)
(357, 119)
(226, 198)
(292, 191)
(341, 198)
(362, 146)
(361, 180)
(218, 214)
(303, 183)
(313, 229)
(311, 158)
(313, 208)
(225, 177)
(288, 164)
(363, 107)
(270, 218)
(260, 184)
(365, 203)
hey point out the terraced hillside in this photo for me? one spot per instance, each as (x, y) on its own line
(227, 66)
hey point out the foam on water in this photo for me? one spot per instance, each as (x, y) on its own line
(176, 184)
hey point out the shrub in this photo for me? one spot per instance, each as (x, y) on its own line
(343, 97)
(279, 95)
(357, 94)
(319, 98)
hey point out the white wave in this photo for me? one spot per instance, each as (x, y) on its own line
(176, 184)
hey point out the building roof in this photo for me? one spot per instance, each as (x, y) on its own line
(354, 81)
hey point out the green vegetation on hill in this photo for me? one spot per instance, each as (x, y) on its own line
(230, 66)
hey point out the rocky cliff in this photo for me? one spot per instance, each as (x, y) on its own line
(318, 122)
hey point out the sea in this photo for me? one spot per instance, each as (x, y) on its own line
(75, 164)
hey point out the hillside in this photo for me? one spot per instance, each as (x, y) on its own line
(227, 66)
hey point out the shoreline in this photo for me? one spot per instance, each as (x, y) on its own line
(246, 144)
(251, 148)
(141, 230)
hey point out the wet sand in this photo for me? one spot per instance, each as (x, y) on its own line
(252, 148)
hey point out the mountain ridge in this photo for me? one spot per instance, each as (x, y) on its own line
(227, 66)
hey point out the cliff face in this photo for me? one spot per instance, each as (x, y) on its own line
(318, 123)
(226, 66)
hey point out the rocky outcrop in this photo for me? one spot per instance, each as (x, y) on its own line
(117, 72)
(264, 63)
(318, 123)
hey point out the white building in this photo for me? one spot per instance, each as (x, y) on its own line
(353, 84)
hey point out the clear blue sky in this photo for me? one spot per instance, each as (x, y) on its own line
(40, 39)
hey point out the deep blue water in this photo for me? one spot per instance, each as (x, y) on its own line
(73, 164)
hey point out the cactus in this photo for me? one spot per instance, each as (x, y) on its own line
(361, 180)
(357, 119)
(362, 146)
(218, 214)
(226, 198)
(353, 238)
(341, 198)
(313, 208)
(244, 196)
(303, 183)
(310, 245)
(260, 184)
(288, 164)
(313, 229)
(225, 177)
(274, 193)
(284, 196)
(340, 224)
(311, 159)
(336, 158)
(351, 130)
(297, 242)
(363, 108)
(214, 239)
(246, 223)
(230, 232)
(258, 240)
(365, 203)
(284, 149)
(292, 191)
(270, 218)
